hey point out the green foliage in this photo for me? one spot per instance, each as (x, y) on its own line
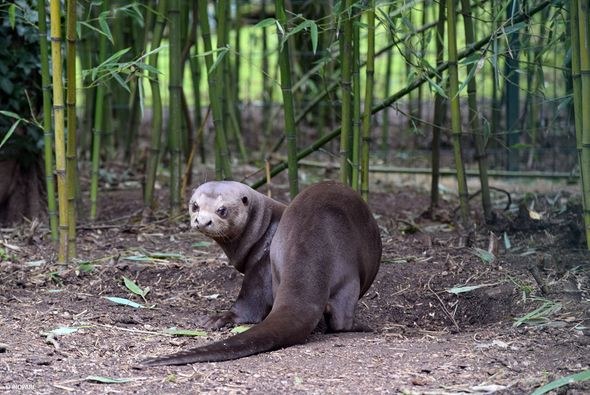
(20, 90)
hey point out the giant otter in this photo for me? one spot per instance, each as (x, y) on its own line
(323, 257)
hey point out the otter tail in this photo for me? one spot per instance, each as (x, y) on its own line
(279, 329)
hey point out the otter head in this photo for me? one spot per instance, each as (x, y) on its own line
(219, 209)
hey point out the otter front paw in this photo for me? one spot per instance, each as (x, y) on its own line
(218, 321)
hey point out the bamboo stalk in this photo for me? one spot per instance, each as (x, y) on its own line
(370, 76)
(156, 127)
(222, 167)
(86, 55)
(576, 77)
(356, 106)
(387, 87)
(47, 129)
(59, 121)
(456, 111)
(288, 106)
(175, 105)
(225, 75)
(237, 64)
(71, 159)
(346, 82)
(98, 123)
(195, 66)
(439, 110)
(474, 123)
(584, 48)
(512, 90)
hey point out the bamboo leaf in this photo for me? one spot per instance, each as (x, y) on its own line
(11, 114)
(184, 332)
(107, 380)
(124, 302)
(303, 25)
(114, 57)
(485, 256)
(514, 28)
(102, 21)
(201, 244)
(9, 133)
(240, 328)
(220, 56)
(539, 315)
(574, 378)
(314, 36)
(120, 81)
(468, 288)
(61, 331)
(133, 287)
(266, 22)
(93, 28)
(507, 243)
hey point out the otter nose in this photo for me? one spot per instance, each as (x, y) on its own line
(203, 222)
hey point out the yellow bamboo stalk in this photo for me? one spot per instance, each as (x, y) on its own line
(584, 48)
(58, 119)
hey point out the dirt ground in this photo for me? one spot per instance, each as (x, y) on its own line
(523, 324)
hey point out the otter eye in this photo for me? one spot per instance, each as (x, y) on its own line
(245, 200)
(195, 207)
(222, 211)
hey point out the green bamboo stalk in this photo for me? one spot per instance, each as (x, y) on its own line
(370, 76)
(439, 110)
(536, 97)
(195, 66)
(455, 111)
(47, 130)
(175, 105)
(288, 107)
(346, 81)
(71, 159)
(356, 106)
(387, 88)
(222, 166)
(512, 90)
(576, 77)
(267, 86)
(99, 129)
(59, 121)
(237, 62)
(120, 136)
(584, 48)
(86, 53)
(156, 129)
(474, 123)
(496, 101)
(225, 75)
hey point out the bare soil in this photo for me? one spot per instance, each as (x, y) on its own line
(425, 339)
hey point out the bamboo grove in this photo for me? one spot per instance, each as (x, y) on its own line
(322, 78)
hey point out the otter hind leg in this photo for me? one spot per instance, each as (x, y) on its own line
(339, 313)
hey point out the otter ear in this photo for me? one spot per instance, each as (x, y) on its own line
(245, 200)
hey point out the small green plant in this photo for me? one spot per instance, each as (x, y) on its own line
(4, 255)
